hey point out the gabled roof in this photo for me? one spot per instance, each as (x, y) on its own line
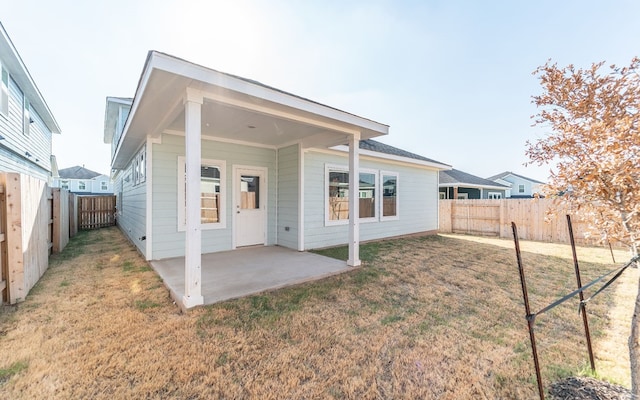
(372, 145)
(237, 109)
(78, 172)
(507, 173)
(18, 70)
(455, 177)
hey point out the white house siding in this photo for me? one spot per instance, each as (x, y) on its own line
(288, 197)
(15, 145)
(131, 204)
(515, 185)
(167, 240)
(417, 198)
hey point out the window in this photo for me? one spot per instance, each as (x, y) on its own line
(520, 188)
(103, 185)
(371, 198)
(442, 195)
(139, 166)
(389, 184)
(4, 92)
(82, 185)
(367, 195)
(212, 194)
(64, 184)
(494, 195)
(463, 196)
(338, 195)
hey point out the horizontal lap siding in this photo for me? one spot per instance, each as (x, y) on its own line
(417, 196)
(132, 217)
(167, 240)
(16, 144)
(288, 197)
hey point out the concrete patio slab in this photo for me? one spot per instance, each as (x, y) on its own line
(238, 273)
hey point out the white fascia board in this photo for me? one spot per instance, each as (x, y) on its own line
(392, 157)
(216, 78)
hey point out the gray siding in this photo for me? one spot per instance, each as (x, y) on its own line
(288, 197)
(19, 152)
(417, 202)
(132, 208)
(167, 240)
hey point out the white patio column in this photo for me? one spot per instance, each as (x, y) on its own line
(354, 201)
(193, 235)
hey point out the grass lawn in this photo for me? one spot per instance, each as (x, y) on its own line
(436, 317)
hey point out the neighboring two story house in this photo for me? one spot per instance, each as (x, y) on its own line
(83, 181)
(26, 122)
(520, 186)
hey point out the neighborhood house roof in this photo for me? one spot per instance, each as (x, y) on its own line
(78, 172)
(507, 173)
(457, 177)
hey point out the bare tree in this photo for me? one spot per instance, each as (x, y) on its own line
(594, 139)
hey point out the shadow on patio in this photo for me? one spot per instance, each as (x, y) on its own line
(238, 273)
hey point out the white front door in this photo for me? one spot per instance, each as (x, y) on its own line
(250, 195)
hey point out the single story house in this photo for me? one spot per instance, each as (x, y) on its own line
(456, 184)
(519, 186)
(205, 162)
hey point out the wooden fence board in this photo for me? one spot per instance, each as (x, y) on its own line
(13, 233)
(4, 266)
(96, 211)
(60, 236)
(494, 217)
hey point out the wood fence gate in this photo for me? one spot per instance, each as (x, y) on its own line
(96, 212)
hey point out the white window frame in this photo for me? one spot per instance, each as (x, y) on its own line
(4, 92)
(521, 188)
(26, 116)
(83, 183)
(343, 168)
(463, 196)
(494, 195)
(64, 184)
(104, 185)
(442, 195)
(182, 198)
(381, 189)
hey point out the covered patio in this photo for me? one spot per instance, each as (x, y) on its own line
(237, 273)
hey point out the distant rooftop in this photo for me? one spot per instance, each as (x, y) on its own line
(78, 172)
(506, 173)
(455, 176)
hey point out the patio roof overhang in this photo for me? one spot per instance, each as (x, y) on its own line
(233, 108)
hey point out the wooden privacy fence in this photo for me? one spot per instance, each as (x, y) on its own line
(494, 217)
(32, 224)
(96, 211)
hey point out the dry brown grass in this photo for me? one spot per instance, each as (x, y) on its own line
(431, 317)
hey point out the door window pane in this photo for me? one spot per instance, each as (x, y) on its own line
(249, 192)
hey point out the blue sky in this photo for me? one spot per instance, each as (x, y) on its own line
(451, 78)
